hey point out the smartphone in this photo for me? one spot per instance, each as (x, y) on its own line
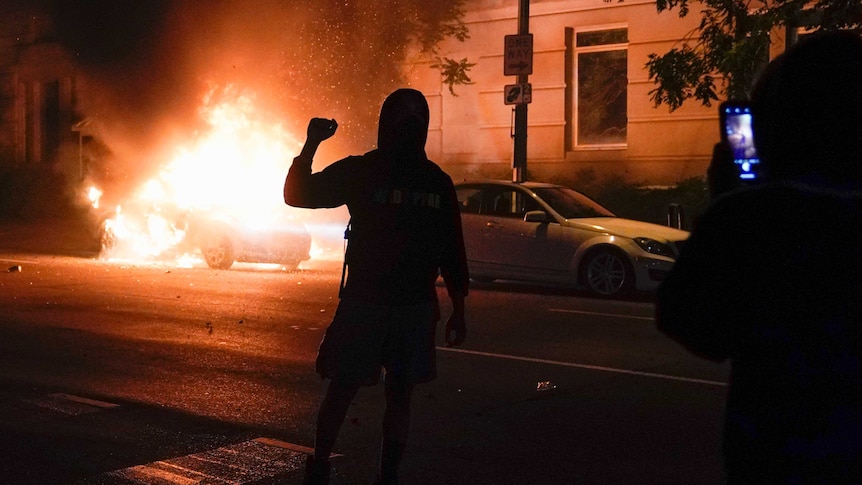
(736, 131)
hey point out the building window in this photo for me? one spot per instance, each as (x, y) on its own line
(50, 121)
(598, 77)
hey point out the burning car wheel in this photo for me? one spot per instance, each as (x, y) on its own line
(218, 252)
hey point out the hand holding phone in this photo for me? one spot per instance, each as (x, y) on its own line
(737, 133)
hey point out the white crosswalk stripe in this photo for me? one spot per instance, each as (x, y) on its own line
(246, 463)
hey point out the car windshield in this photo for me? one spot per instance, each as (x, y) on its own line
(571, 204)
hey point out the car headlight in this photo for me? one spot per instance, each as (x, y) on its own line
(654, 247)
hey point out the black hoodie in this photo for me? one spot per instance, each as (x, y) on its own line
(405, 221)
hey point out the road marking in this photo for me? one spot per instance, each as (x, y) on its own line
(587, 367)
(291, 446)
(84, 400)
(69, 404)
(599, 314)
(19, 261)
(150, 473)
(255, 461)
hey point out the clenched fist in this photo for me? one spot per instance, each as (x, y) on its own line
(320, 129)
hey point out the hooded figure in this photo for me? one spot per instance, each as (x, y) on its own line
(769, 278)
(808, 113)
(403, 128)
(405, 232)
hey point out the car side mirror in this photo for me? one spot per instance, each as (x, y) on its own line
(536, 216)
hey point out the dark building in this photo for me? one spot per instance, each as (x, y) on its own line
(38, 146)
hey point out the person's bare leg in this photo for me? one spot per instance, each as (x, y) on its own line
(396, 427)
(330, 417)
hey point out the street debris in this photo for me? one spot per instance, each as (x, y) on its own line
(545, 386)
(14, 269)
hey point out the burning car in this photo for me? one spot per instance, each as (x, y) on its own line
(218, 194)
(224, 240)
(138, 230)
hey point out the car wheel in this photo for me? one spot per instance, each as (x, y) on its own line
(218, 252)
(605, 272)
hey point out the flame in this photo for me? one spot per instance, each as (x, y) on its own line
(238, 166)
(234, 168)
(94, 195)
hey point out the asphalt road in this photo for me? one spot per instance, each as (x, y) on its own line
(113, 372)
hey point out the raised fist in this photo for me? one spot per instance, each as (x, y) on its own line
(320, 129)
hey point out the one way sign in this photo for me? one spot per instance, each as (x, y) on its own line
(518, 55)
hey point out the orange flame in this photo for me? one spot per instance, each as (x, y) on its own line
(235, 169)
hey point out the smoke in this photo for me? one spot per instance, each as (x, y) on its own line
(144, 65)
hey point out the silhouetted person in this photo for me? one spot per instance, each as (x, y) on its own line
(770, 277)
(405, 231)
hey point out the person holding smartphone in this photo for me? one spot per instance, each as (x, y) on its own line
(770, 277)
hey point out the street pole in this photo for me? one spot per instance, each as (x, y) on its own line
(519, 162)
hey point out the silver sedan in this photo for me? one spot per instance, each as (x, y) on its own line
(550, 234)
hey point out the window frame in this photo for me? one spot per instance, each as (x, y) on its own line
(573, 94)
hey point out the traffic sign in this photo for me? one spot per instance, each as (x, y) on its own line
(518, 55)
(521, 93)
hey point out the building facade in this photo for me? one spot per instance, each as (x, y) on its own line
(590, 109)
(37, 91)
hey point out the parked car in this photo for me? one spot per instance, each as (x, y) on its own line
(550, 234)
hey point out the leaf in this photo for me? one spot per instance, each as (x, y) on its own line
(453, 72)
(731, 44)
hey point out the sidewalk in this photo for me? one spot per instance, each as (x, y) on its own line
(62, 237)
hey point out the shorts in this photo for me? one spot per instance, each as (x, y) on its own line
(364, 337)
